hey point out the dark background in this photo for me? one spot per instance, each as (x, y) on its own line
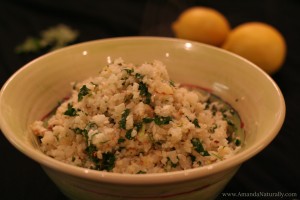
(275, 169)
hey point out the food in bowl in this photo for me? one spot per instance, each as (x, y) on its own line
(46, 80)
(134, 119)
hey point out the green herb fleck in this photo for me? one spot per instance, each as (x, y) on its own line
(147, 120)
(160, 120)
(83, 92)
(143, 88)
(108, 161)
(70, 111)
(196, 123)
(121, 140)
(199, 147)
(173, 165)
(91, 125)
(231, 126)
(148, 99)
(128, 134)
(238, 142)
(229, 122)
(139, 76)
(212, 128)
(122, 122)
(129, 71)
(172, 83)
(214, 110)
(138, 126)
(91, 152)
(193, 158)
(82, 132)
(229, 138)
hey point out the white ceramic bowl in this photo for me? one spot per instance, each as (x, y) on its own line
(36, 88)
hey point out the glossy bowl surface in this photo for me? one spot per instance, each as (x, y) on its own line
(36, 88)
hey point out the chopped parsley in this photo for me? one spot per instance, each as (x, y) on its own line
(129, 71)
(138, 126)
(199, 147)
(196, 123)
(229, 138)
(229, 121)
(122, 122)
(91, 152)
(70, 111)
(237, 142)
(212, 128)
(193, 158)
(139, 76)
(143, 88)
(214, 110)
(91, 125)
(121, 140)
(172, 83)
(160, 120)
(107, 161)
(173, 165)
(128, 134)
(84, 132)
(147, 120)
(231, 128)
(83, 92)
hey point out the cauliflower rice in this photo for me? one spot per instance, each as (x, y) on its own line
(134, 119)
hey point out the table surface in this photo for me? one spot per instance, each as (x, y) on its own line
(275, 169)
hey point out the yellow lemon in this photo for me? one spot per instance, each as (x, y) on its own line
(260, 43)
(202, 24)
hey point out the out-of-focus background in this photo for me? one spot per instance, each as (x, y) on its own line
(275, 169)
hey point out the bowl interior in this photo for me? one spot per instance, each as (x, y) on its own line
(37, 88)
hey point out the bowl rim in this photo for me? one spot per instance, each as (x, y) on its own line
(143, 179)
